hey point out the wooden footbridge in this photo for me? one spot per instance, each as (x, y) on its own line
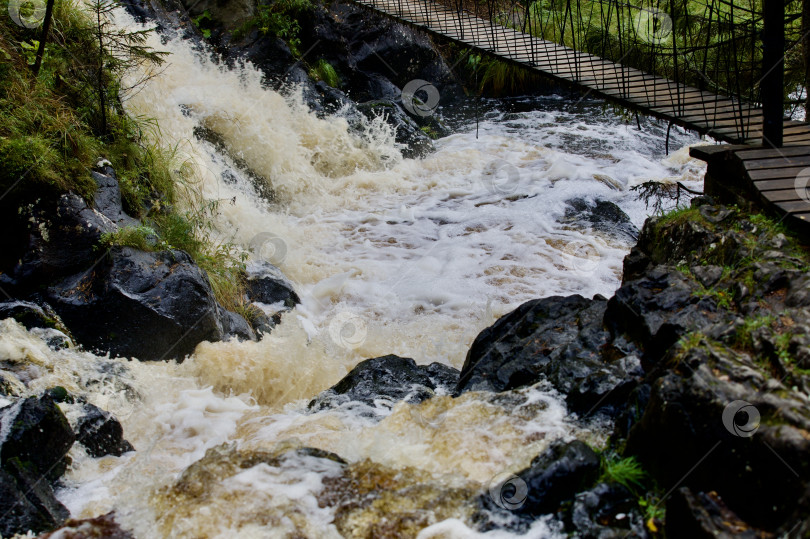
(685, 89)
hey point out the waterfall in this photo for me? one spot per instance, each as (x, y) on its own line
(389, 255)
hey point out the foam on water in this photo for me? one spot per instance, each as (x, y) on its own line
(412, 257)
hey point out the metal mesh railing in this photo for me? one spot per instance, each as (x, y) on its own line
(697, 63)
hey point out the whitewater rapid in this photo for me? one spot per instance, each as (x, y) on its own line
(388, 255)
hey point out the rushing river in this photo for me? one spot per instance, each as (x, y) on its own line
(411, 257)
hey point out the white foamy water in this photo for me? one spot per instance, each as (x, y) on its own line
(412, 257)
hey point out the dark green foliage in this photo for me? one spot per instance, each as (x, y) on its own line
(278, 18)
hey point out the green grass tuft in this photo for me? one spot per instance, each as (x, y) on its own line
(624, 471)
(140, 237)
(324, 71)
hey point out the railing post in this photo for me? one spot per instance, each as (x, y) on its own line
(773, 72)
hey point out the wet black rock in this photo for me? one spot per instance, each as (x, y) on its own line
(235, 326)
(62, 240)
(553, 478)
(133, 303)
(263, 324)
(559, 339)
(607, 511)
(386, 380)
(32, 315)
(37, 433)
(602, 216)
(689, 243)
(407, 132)
(27, 502)
(100, 433)
(267, 284)
(557, 474)
(107, 198)
(704, 516)
(658, 308)
(799, 292)
(716, 422)
(707, 275)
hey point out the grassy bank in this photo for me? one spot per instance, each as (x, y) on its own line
(55, 127)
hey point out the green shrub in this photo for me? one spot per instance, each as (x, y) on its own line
(278, 18)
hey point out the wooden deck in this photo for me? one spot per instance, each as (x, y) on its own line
(773, 178)
(770, 174)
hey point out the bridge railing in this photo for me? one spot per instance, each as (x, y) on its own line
(698, 59)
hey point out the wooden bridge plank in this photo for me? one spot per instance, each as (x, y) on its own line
(775, 173)
(784, 195)
(772, 172)
(778, 162)
(794, 206)
(775, 185)
(773, 153)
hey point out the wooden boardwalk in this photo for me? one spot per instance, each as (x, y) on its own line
(770, 174)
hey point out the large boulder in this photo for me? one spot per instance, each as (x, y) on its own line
(559, 339)
(387, 380)
(152, 306)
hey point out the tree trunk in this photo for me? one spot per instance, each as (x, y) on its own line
(44, 38)
(102, 93)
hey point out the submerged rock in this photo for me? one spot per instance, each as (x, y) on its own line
(36, 431)
(152, 306)
(267, 284)
(553, 478)
(602, 216)
(415, 141)
(372, 500)
(386, 380)
(100, 433)
(90, 528)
